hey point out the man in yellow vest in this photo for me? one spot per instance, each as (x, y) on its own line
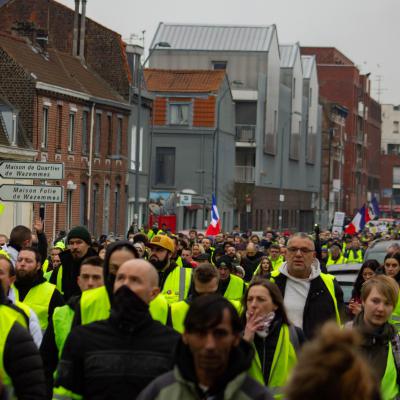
(21, 373)
(230, 286)
(174, 280)
(335, 256)
(7, 277)
(116, 358)
(90, 277)
(310, 296)
(275, 257)
(354, 253)
(32, 289)
(212, 360)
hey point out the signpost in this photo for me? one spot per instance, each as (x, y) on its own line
(29, 170)
(32, 193)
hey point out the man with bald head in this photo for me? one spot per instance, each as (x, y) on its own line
(310, 296)
(251, 261)
(116, 358)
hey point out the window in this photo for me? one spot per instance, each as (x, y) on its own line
(165, 166)
(395, 126)
(393, 148)
(133, 149)
(110, 135)
(116, 208)
(14, 129)
(106, 212)
(179, 113)
(95, 200)
(396, 175)
(59, 126)
(85, 132)
(98, 134)
(69, 210)
(71, 131)
(294, 88)
(83, 204)
(45, 128)
(219, 64)
(119, 138)
(310, 99)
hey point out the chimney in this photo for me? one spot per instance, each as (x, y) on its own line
(76, 30)
(82, 32)
(134, 53)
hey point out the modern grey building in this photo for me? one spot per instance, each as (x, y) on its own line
(272, 117)
(192, 145)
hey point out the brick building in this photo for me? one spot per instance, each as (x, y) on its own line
(73, 116)
(341, 82)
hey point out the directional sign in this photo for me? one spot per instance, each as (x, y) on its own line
(32, 193)
(31, 170)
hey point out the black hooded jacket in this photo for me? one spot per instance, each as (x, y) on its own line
(22, 362)
(118, 357)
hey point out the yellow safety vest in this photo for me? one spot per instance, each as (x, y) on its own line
(395, 318)
(235, 288)
(59, 274)
(176, 286)
(283, 362)
(276, 263)
(328, 280)
(38, 298)
(358, 258)
(8, 317)
(62, 324)
(340, 260)
(389, 387)
(95, 306)
(45, 266)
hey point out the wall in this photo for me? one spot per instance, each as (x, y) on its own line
(389, 115)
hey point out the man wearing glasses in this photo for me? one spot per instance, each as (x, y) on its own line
(310, 296)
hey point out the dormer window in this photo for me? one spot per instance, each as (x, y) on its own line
(14, 129)
(179, 113)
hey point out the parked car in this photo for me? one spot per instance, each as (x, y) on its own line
(378, 249)
(346, 275)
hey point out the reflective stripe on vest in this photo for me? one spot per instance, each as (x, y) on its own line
(8, 317)
(38, 298)
(234, 291)
(62, 323)
(328, 280)
(282, 363)
(389, 386)
(177, 285)
(95, 306)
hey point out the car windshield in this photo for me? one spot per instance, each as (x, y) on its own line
(376, 255)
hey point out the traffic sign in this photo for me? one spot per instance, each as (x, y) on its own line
(31, 170)
(32, 193)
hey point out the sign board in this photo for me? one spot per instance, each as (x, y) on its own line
(32, 193)
(338, 219)
(185, 200)
(388, 193)
(336, 185)
(31, 170)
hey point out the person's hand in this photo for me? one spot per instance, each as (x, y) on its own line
(254, 323)
(38, 225)
(354, 307)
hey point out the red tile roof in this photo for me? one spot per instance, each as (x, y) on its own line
(188, 81)
(57, 68)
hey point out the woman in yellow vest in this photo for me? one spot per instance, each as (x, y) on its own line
(264, 269)
(274, 338)
(381, 342)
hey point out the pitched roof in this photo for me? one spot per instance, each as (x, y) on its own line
(214, 37)
(288, 55)
(189, 81)
(308, 63)
(57, 68)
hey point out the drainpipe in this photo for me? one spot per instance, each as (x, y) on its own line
(89, 189)
(82, 33)
(75, 32)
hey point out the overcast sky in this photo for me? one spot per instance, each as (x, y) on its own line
(366, 31)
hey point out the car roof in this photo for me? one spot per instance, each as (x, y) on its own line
(383, 244)
(344, 268)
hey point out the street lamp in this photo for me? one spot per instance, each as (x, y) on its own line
(138, 124)
(281, 196)
(216, 137)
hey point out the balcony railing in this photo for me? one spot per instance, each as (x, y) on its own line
(244, 173)
(245, 133)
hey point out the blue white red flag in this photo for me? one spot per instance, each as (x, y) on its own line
(359, 221)
(215, 225)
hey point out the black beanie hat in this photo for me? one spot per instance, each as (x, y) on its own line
(79, 232)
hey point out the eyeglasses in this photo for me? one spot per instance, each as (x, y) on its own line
(303, 250)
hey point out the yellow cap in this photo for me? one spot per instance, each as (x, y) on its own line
(163, 241)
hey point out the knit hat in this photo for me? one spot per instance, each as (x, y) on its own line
(79, 232)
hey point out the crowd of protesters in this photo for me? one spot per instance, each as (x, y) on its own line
(186, 316)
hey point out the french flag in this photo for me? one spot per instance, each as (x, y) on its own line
(215, 225)
(359, 221)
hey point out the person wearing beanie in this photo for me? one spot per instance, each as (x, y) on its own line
(78, 248)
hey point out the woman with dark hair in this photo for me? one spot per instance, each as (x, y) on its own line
(264, 269)
(368, 270)
(274, 338)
